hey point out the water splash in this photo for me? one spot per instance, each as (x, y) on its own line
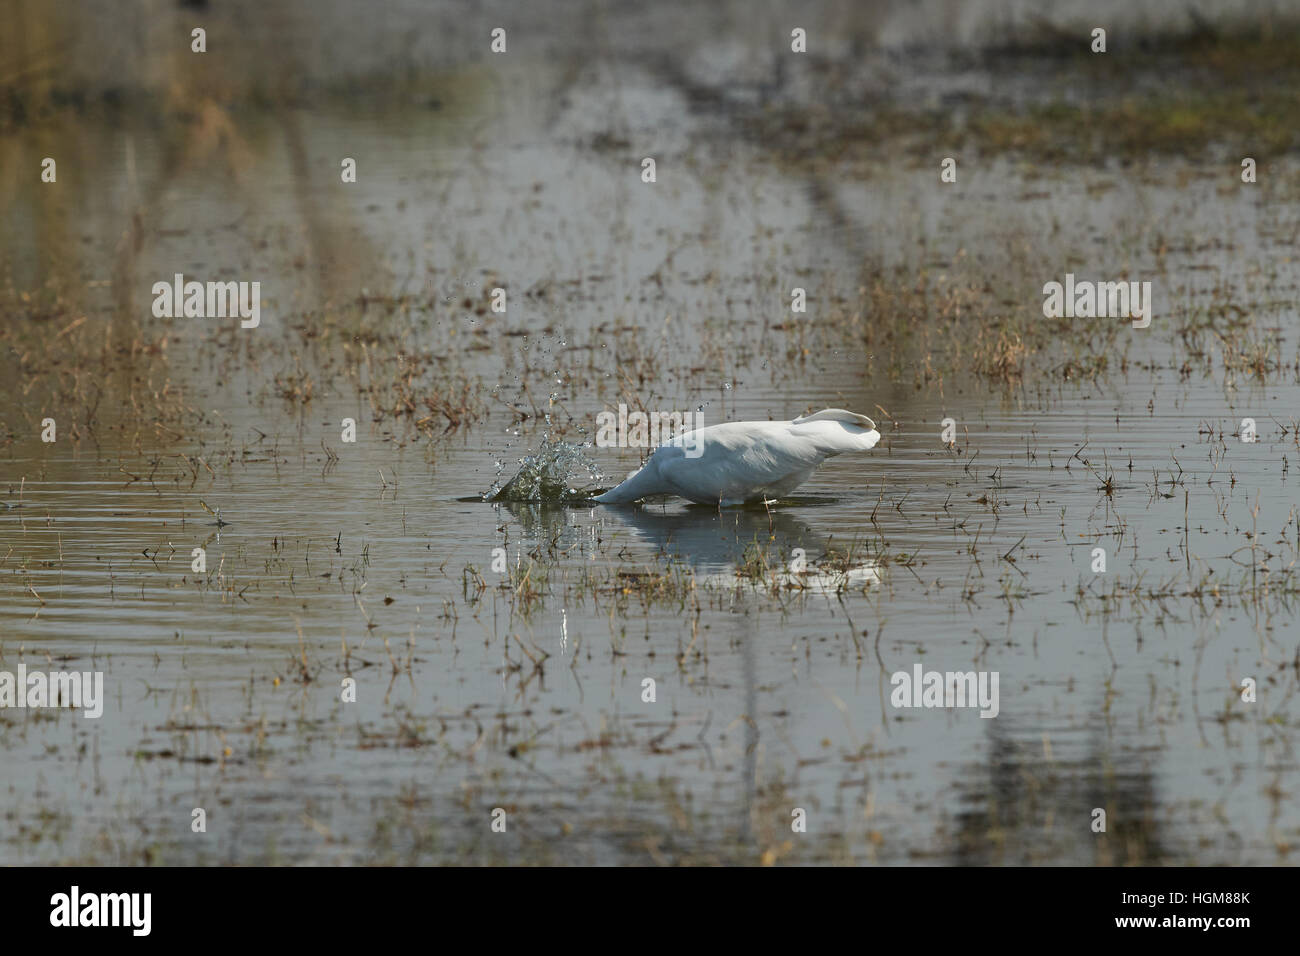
(544, 476)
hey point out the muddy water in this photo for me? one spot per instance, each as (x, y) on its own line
(478, 689)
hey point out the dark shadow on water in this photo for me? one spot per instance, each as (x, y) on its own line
(713, 540)
(1022, 807)
(587, 501)
(705, 538)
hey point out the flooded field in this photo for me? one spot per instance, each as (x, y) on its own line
(371, 659)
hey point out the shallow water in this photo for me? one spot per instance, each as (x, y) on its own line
(522, 689)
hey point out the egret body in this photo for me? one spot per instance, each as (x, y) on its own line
(737, 462)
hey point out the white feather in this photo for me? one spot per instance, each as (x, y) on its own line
(746, 461)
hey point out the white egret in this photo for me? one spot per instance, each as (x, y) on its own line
(738, 462)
